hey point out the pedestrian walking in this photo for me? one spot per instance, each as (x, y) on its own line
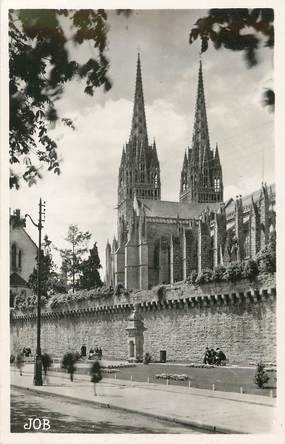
(96, 374)
(46, 362)
(68, 362)
(20, 362)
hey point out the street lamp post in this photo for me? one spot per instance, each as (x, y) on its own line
(38, 380)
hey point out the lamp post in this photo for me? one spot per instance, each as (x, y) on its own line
(38, 380)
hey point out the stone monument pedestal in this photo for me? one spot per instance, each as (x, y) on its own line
(135, 331)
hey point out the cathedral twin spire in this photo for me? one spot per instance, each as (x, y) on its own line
(139, 131)
(139, 172)
(201, 176)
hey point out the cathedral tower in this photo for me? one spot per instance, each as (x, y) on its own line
(139, 172)
(201, 175)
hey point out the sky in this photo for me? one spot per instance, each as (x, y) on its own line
(86, 191)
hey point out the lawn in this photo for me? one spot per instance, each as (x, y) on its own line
(228, 379)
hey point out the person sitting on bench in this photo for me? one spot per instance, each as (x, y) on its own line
(220, 357)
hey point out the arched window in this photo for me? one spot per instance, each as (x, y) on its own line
(156, 180)
(20, 259)
(246, 244)
(217, 184)
(14, 257)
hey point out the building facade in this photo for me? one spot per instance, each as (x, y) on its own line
(163, 242)
(23, 257)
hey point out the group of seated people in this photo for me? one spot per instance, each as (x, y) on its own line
(214, 357)
(95, 353)
(27, 352)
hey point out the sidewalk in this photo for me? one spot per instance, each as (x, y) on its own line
(211, 411)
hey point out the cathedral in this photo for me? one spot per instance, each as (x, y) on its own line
(163, 242)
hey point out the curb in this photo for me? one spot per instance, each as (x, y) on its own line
(207, 393)
(194, 424)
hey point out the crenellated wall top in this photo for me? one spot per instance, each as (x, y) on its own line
(160, 297)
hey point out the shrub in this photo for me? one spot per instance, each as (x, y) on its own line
(161, 292)
(205, 276)
(218, 273)
(249, 269)
(119, 289)
(233, 272)
(266, 259)
(192, 278)
(261, 377)
(68, 362)
(147, 358)
(12, 358)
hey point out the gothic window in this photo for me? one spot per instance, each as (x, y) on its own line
(156, 180)
(156, 256)
(12, 299)
(20, 259)
(247, 245)
(217, 184)
(14, 257)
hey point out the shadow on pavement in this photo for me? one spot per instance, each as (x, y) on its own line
(21, 410)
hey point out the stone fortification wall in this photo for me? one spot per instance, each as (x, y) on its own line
(181, 319)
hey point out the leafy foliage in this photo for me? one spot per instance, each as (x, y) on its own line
(218, 273)
(24, 303)
(233, 271)
(249, 269)
(266, 259)
(51, 281)
(238, 30)
(90, 276)
(46, 361)
(69, 362)
(205, 276)
(96, 372)
(261, 377)
(72, 258)
(264, 262)
(192, 278)
(147, 358)
(40, 66)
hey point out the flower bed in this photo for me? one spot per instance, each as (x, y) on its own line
(201, 366)
(174, 377)
(115, 366)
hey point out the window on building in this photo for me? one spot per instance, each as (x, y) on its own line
(20, 259)
(247, 245)
(217, 184)
(156, 180)
(14, 257)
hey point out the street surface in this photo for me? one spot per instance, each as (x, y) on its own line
(74, 417)
(213, 411)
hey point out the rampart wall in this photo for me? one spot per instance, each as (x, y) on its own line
(181, 319)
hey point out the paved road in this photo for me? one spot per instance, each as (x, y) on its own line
(73, 417)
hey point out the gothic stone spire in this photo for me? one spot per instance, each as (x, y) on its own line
(139, 173)
(138, 134)
(204, 178)
(201, 141)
